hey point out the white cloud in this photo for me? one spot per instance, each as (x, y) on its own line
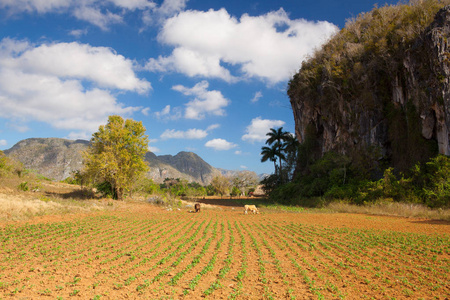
(145, 111)
(258, 95)
(3, 143)
(39, 6)
(45, 83)
(212, 127)
(153, 149)
(168, 8)
(270, 47)
(97, 12)
(243, 167)
(220, 144)
(74, 60)
(168, 113)
(171, 7)
(18, 127)
(189, 134)
(96, 17)
(78, 32)
(205, 102)
(134, 4)
(190, 63)
(79, 136)
(257, 130)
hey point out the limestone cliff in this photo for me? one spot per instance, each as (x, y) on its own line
(52, 157)
(380, 87)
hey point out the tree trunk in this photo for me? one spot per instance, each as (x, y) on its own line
(281, 173)
(119, 193)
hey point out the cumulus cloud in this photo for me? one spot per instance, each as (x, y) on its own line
(190, 63)
(269, 47)
(189, 134)
(258, 128)
(98, 64)
(46, 83)
(3, 143)
(205, 102)
(220, 144)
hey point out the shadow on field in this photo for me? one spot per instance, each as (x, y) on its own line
(75, 195)
(234, 202)
(431, 222)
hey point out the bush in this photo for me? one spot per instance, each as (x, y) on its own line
(23, 186)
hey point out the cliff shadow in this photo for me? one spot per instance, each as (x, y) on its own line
(432, 222)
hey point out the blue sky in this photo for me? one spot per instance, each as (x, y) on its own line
(203, 76)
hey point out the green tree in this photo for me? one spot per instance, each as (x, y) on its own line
(116, 155)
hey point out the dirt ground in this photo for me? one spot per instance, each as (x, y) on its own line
(144, 251)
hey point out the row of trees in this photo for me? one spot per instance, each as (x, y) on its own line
(241, 183)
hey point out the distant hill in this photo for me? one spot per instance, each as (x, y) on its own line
(56, 158)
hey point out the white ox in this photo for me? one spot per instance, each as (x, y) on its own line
(251, 208)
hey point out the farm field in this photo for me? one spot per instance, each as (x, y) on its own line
(145, 251)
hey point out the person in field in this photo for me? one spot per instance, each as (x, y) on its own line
(251, 208)
(197, 207)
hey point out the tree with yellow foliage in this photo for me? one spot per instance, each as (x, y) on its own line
(115, 157)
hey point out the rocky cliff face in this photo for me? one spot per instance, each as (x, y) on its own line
(52, 157)
(381, 86)
(56, 158)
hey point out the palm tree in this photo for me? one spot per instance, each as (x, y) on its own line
(291, 146)
(270, 153)
(291, 143)
(276, 138)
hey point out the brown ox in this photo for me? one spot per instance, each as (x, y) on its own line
(197, 207)
(251, 208)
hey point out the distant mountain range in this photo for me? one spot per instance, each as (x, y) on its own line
(56, 158)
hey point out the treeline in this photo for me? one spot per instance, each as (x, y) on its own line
(242, 183)
(334, 177)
